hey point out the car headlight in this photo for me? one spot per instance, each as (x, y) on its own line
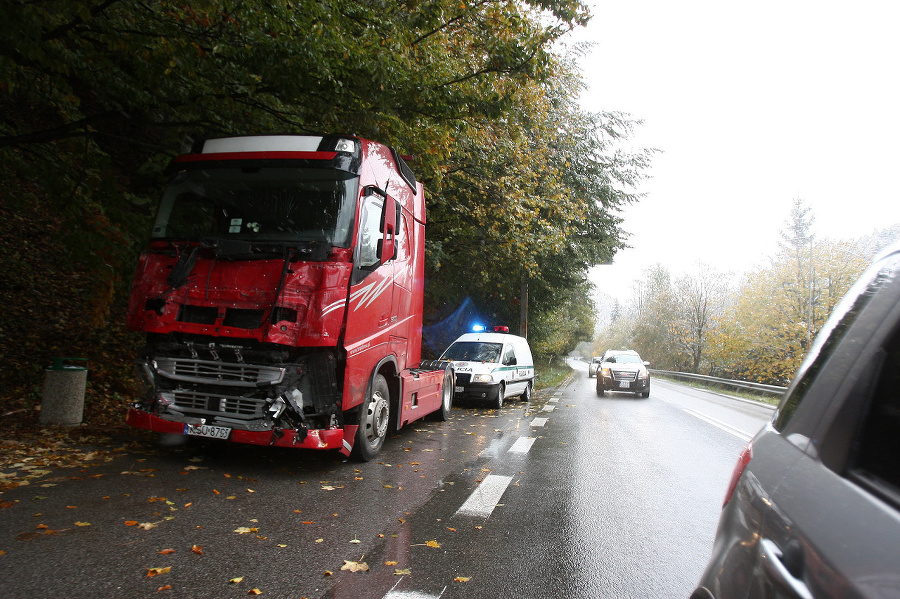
(482, 378)
(643, 374)
(605, 371)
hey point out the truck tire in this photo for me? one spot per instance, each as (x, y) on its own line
(374, 420)
(443, 413)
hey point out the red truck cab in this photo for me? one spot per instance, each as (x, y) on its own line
(281, 295)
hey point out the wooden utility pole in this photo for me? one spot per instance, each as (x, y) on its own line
(523, 309)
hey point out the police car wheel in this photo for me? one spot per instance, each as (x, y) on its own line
(526, 394)
(498, 400)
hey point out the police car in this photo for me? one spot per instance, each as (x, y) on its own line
(491, 366)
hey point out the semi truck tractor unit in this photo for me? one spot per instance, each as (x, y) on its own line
(281, 296)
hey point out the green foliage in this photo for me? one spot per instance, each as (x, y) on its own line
(557, 330)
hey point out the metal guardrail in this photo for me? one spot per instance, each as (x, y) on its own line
(768, 389)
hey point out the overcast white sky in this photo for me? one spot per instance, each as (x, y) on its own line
(753, 105)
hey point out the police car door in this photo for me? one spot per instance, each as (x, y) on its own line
(509, 370)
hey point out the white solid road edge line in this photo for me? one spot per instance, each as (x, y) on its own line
(484, 499)
(720, 425)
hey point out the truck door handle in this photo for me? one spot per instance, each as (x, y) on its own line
(773, 559)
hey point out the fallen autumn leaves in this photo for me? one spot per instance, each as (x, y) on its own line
(156, 534)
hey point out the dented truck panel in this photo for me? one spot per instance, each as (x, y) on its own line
(283, 274)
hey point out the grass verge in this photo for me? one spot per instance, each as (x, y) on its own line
(550, 373)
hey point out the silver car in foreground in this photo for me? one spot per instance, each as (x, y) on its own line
(813, 507)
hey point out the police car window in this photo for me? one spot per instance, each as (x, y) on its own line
(840, 321)
(509, 356)
(473, 351)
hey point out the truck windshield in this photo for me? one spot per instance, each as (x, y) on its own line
(473, 351)
(259, 205)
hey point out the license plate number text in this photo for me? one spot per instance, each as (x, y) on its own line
(206, 430)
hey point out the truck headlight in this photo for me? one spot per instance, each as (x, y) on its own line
(483, 378)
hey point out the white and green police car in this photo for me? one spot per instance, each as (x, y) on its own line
(491, 366)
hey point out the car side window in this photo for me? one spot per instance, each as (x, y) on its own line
(509, 356)
(877, 446)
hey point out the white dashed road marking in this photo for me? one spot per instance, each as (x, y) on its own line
(522, 445)
(484, 499)
(539, 422)
(548, 408)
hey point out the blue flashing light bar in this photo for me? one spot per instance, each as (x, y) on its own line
(478, 328)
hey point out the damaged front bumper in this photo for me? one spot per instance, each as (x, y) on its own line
(340, 439)
(278, 398)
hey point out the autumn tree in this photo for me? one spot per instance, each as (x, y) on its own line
(766, 333)
(700, 298)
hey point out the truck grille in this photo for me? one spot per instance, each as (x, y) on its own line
(463, 378)
(222, 373)
(624, 375)
(243, 408)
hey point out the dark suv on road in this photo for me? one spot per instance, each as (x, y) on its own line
(623, 371)
(813, 506)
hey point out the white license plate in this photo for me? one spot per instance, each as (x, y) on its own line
(459, 389)
(624, 384)
(206, 430)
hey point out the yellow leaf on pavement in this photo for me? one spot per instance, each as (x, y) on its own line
(242, 530)
(434, 544)
(355, 566)
(151, 572)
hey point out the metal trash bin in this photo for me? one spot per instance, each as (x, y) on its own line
(63, 399)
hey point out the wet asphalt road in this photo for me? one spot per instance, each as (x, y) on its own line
(568, 496)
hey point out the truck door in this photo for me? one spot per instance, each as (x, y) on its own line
(371, 284)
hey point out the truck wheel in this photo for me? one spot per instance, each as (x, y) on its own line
(443, 413)
(498, 399)
(374, 420)
(526, 394)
